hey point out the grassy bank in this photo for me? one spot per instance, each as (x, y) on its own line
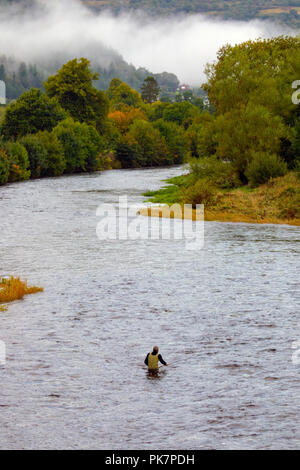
(14, 289)
(276, 202)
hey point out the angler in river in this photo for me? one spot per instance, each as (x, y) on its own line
(152, 360)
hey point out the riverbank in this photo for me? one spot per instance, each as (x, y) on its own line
(276, 202)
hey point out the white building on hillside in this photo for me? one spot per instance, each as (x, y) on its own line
(2, 92)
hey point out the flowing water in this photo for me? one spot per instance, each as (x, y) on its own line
(225, 318)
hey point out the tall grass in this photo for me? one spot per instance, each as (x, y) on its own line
(14, 289)
(275, 202)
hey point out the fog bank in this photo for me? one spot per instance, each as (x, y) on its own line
(182, 45)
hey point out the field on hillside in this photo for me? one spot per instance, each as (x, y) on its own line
(284, 11)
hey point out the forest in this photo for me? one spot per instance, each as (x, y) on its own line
(73, 127)
(283, 11)
(248, 135)
(21, 76)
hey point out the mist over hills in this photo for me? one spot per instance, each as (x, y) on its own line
(38, 36)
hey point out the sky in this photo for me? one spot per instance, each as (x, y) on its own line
(182, 45)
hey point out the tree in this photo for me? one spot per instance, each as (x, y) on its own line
(73, 87)
(2, 73)
(178, 112)
(123, 119)
(19, 162)
(239, 135)
(142, 146)
(32, 112)
(255, 119)
(176, 140)
(150, 90)
(4, 166)
(82, 145)
(37, 154)
(121, 95)
(55, 162)
(23, 75)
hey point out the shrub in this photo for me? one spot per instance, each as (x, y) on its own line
(222, 174)
(264, 166)
(19, 162)
(55, 163)
(4, 166)
(37, 154)
(14, 289)
(201, 192)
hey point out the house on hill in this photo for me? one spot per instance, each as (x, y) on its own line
(2, 92)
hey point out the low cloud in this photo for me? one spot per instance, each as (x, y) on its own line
(182, 45)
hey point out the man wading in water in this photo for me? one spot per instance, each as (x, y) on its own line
(152, 360)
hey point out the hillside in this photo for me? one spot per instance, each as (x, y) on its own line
(283, 11)
(21, 76)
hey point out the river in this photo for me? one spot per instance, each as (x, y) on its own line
(225, 318)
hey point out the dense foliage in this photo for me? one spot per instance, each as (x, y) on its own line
(73, 127)
(253, 136)
(73, 88)
(285, 11)
(32, 112)
(247, 137)
(21, 76)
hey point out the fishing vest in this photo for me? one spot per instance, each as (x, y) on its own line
(152, 361)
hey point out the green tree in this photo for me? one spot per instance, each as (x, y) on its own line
(150, 90)
(55, 162)
(32, 112)
(142, 146)
(239, 135)
(18, 160)
(120, 94)
(73, 87)
(82, 145)
(155, 110)
(37, 154)
(178, 112)
(176, 140)
(2, 72)
(23, 75)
